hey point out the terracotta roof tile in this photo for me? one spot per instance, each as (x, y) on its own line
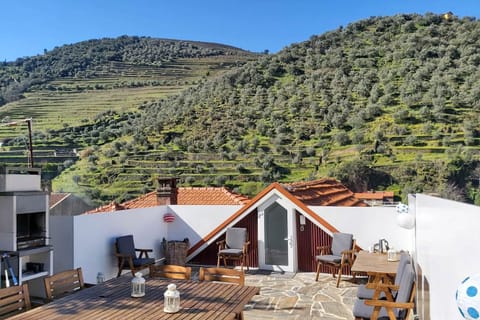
(323, 192)
(57, 197)
(376, 195)
(186, 196)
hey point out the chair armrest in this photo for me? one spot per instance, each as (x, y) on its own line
(389, 304)
(122, 255)
(385, 288)
(221, 244)
(143, 252)
(323, 249)
(389, 307)
(245, 246)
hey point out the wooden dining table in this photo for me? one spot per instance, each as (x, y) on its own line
(112, 300)
(376, 265)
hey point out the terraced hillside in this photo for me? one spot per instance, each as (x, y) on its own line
(384, 103)
(64, 105)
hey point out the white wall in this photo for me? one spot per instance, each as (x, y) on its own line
(195, 222)
(368, 225)
(94, 238)
(87, 240)
(447, 251)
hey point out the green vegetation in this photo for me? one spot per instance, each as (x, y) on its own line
(383, 103)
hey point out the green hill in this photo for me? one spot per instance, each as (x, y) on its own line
(74, 91)
(383, 103)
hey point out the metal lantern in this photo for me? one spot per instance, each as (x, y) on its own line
(100, 278)
(138, 285)
(171, 303)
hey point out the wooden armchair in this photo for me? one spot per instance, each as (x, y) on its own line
(340, 254)
(234, 247)
(63, 283)
(125, 252)
(170, 271)
(14, 300)
(391, 301)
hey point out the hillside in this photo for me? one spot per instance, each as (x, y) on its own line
(73, 91)
(383, 103)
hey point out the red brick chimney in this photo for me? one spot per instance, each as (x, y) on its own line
(167, 191)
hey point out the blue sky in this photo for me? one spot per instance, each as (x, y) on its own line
(27, 27)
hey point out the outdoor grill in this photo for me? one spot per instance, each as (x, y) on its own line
(31, 231)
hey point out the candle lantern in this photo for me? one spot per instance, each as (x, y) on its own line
(100, 278)
(171, 303)
(138, 285)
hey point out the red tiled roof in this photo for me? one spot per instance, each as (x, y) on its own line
(376, 195)
(323, 192)
(185, 196)
(55, 198)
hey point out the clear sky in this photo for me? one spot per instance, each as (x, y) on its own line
(27, 27)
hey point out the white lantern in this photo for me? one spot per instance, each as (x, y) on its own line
(468, 297)
(171, 302)
(138, 285)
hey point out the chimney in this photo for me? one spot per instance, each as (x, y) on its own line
(167, 191)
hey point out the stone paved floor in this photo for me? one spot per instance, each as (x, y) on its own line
(298, 296)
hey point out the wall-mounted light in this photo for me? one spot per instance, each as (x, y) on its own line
(405, 218)
(468, 297)
(302, 222)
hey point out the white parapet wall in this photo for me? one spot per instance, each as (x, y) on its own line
(446, 252)
(87, 241)
(368, 225)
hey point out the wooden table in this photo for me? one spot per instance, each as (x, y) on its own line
(112, 300)
(376, 265)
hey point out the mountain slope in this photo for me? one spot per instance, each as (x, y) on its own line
(385, 103)
(73, 91)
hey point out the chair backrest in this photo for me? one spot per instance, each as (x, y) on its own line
(222, 275)
(404, 259)
(406, 287)
(63, 283)
(171, 271)
(341, 242)
(14, 300)
(125, 245)
(236, 238)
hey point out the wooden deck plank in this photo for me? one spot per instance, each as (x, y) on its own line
(110, 300)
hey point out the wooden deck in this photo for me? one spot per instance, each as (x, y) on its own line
(112, 300)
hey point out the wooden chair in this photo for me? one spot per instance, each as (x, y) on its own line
(63, 283)
(366, 291)
(234, 247)
(14, 300)
(340, 254)
(125, 252)
(391, 301)
(222, 275)
(170, 271)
